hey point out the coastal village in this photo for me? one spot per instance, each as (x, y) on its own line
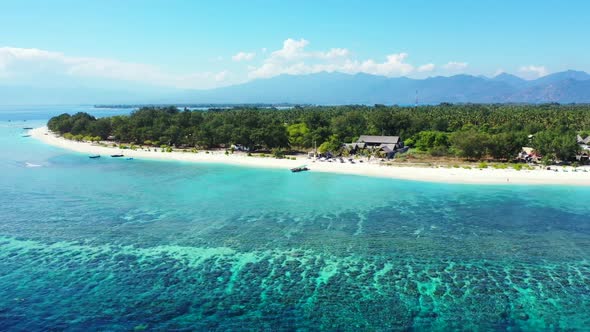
(369, 155)
(530, 155)
(387, 147)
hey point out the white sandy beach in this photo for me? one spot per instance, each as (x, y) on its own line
(430, 174)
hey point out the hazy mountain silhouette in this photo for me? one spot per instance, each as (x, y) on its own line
(332, 88)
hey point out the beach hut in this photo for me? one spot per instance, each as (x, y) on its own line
(379, 141)
(388, 146)
(583, 141)
(583, 156)
(528, 154)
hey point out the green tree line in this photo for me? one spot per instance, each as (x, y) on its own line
(472, 131)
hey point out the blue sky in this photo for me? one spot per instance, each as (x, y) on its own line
(204, 44)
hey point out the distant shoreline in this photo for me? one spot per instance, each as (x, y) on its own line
(204, 106)
(425, 174)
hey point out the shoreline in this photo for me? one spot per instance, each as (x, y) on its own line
(414, 173)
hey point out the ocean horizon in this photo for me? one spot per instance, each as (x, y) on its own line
(118, 245)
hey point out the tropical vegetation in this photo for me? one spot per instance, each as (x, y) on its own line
(470, 131)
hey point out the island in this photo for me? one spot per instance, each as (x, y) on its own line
(471, 143)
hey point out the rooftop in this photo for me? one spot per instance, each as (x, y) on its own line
(379, 139)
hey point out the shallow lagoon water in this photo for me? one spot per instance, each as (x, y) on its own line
(112, 244)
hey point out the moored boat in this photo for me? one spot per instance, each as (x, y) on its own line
(116, 155)
(299, 169)
(94, 156)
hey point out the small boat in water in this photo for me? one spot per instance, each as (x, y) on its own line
(116, 155)
(26, 136)
(94, 156)
(27, 128)
(299, 169)
(129, 159)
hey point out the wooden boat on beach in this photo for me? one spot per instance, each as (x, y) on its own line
(299, 169)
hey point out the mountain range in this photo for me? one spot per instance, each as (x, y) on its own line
(337, 88)
(333, 89)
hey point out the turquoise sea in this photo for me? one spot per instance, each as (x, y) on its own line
(117, 245)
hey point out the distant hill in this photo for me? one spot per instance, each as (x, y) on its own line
(332, 88)
(510, 79)
(338, 88)
(563, 76)
(564, 91)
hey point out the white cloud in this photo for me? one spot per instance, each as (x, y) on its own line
(292, 49)
(221, 76)
(34, 65)
(426, 68)
(243, 56)
(10, 54)
(455, 66)
(393, 66)
(294, 59)
(333, 53)
(532, 71)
